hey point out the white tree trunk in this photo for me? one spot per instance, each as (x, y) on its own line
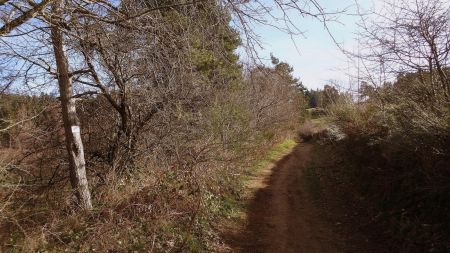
(72, 131)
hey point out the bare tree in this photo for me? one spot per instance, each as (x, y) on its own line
(123, 50)
(74, 144)
(408, 36)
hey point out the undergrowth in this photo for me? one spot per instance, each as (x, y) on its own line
(274, 154)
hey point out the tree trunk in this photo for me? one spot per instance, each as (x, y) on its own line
(72, 131)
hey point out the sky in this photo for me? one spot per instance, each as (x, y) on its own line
(315, 57)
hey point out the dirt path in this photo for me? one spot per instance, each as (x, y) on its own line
(282, 216)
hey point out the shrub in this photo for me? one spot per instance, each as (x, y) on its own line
(398, 153)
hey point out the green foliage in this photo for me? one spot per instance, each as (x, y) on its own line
(285, 71)
(214, 57)
(324, 98)
(229, 122)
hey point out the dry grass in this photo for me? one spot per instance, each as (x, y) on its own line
(159, 209)
(310, 131)
(395, 156)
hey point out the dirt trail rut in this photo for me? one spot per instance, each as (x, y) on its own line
(282, 216)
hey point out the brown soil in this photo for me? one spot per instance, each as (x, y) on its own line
(282, 216)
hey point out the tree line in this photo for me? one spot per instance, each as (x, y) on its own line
(143, 108)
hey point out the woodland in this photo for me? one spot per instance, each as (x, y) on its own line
(134, 125)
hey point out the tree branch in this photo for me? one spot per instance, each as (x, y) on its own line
(8, 27)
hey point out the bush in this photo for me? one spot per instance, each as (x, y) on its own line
(398, 153)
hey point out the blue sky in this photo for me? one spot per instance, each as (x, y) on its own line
(317, 59)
